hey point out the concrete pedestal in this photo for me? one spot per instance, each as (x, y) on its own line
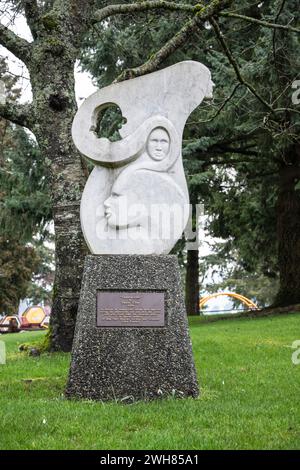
(126, 360)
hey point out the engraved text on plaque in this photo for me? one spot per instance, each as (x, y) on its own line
(130, 308)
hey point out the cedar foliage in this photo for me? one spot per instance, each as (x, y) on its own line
(24, 212)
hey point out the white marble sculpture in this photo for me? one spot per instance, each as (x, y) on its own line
(136, 199)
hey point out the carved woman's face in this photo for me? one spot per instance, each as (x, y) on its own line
(158, 144)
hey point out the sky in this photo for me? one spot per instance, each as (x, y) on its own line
(84, 87)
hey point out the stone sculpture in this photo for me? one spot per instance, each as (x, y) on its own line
(136, 199)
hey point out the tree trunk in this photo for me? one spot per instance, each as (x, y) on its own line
(192, 283)
(52, 73)
(288, 230)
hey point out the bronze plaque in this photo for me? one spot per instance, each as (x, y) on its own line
(130, 308)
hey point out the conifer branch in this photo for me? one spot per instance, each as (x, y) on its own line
(235, 66)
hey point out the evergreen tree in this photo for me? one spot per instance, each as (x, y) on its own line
(236, 149)
(24, 210)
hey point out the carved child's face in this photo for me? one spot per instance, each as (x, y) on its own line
(119, 207)
(158, 144)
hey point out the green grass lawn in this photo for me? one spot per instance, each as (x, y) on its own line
(250, 397)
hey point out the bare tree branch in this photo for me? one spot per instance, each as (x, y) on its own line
(176, 41)
(235, 66)
(222, 105)
(264, 23)
(32, 15)
(16, 45)
(110, 10)
(281, 7)
(200, 9)
(290, 110)
(21, 114)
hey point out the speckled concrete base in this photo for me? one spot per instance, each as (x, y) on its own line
(128, 363)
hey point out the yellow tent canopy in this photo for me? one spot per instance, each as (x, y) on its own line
(34, 315)
(249, 303)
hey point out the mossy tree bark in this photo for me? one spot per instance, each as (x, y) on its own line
(192, 266)
(288, 201)
(51, 70)
(56, 107)
(288, 229)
